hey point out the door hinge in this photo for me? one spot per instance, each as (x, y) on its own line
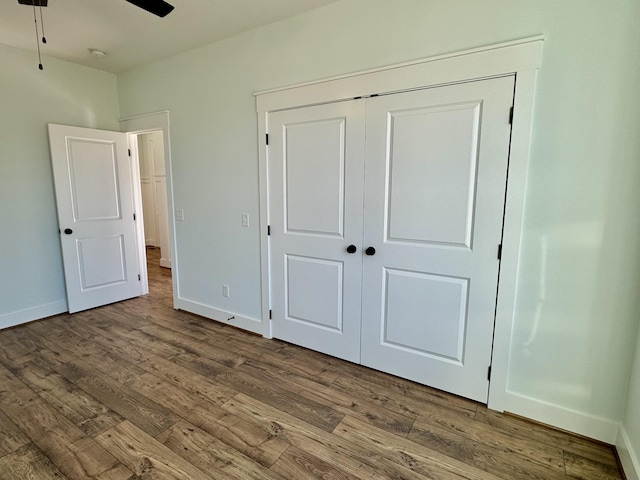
(139, 278)
(270, 314)
(511, 116)
(134, 217)
(500, 252)
(267, 138)
(268, 230)
(129, 150)
(489, 373)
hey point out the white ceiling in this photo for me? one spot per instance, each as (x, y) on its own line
(132, 37)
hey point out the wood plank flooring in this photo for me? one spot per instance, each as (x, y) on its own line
(137, 390)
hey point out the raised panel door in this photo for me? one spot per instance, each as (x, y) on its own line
(92, 175)
(436, 171)
(316, 159)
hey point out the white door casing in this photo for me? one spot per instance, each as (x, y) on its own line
(316, 172)
(94, 197)
(436, 172)
(520, 58)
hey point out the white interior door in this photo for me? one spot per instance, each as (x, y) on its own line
(316, 157)
(94, 195)
(154, 193)
(156, 150)
(147, 185)
(434, 195)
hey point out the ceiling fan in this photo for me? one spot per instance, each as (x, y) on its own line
(157, 7)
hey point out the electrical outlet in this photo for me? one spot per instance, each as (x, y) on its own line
(245, 219)
(225, 291)
(179, 214)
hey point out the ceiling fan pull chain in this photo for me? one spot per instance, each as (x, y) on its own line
(35, 21)
(44, 39)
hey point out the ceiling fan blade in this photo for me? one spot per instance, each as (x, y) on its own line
(34, 3)
(157, 7)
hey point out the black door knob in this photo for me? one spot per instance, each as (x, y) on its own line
(352, 249)
(370, 251)
(68, 231)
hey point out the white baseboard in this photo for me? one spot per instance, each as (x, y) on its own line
(30, 314)
(598, 428)
(628, 456)
(222, 316)
(165, 262)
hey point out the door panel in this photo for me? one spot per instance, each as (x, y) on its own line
(425, 314)
(434, 195)
(94, 197)
(304, 278)
(315, 176)
(102, 261)
(426, 148)
(314, 153)
(93, 173)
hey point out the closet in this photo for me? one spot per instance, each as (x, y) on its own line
(153, 182)
(384, 214)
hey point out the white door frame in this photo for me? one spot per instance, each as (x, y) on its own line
(519, 57)
(133, 126)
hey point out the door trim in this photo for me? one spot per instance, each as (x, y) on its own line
(145, 123)
(519, 57)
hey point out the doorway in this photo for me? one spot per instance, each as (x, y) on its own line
(386, 219)
(140, 129)
(100, 209)
(519, 59)
(153, 185)
(154, 213)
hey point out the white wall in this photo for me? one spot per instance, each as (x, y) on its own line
(31, 277)
(580, 263)
(576, 318)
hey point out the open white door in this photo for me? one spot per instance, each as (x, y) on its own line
(94, 196)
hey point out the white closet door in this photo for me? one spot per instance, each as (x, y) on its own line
(316, 157)
(434, 194)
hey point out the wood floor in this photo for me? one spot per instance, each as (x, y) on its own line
(137, 390)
